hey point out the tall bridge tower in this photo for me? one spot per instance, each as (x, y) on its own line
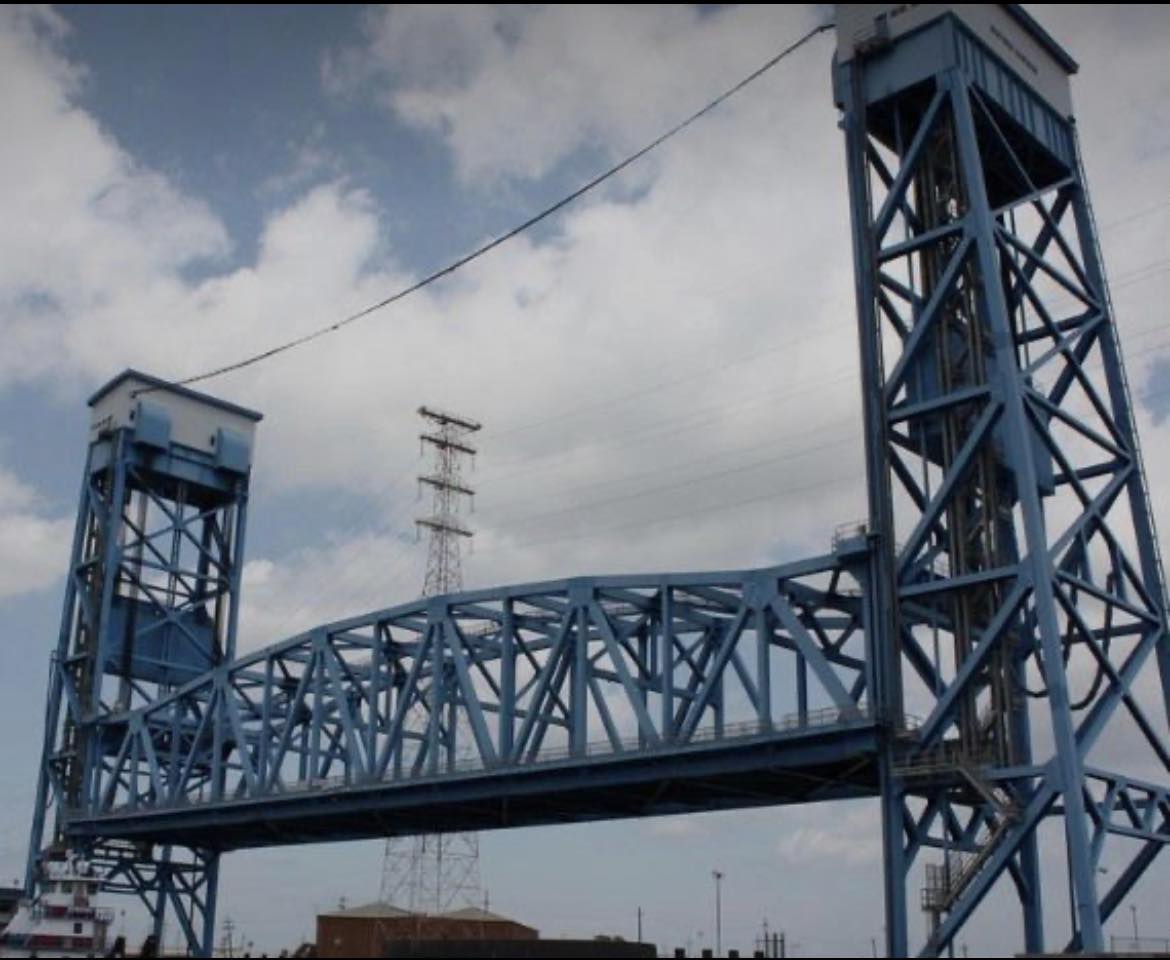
(1018, 587)
(151, 601)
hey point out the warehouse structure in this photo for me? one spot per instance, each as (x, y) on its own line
(381, 929)
(369, 930)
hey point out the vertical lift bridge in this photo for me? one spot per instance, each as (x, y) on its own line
(1007, 591)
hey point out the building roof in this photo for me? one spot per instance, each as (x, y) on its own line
(478, 915)
(376, 908)
(156, 383)
(387, 911)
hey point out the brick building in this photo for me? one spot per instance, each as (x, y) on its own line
(372, 929)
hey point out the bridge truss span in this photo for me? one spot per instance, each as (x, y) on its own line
(662, 694)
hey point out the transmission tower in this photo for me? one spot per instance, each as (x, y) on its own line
(435, 871)
(447, 437)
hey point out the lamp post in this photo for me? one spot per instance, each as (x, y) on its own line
(718, 914)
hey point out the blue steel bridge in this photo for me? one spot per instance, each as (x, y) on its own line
(1006, 587)
(581, 699)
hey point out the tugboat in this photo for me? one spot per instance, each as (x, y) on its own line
(62, 921)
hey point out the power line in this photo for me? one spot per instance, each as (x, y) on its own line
(357, 516)
(581, 508)
(833, 480)
(658, 489)
(363, 558)
(703, 373)
(1134, 276)
(520, 228)
(1139, 274)
(674, 468)
(673, 425)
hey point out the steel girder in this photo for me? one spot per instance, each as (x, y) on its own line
(171, 883)
(1019, 588)
(583, 698)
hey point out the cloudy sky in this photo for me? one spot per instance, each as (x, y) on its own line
(666, 372)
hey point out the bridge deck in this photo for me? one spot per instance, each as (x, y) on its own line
(788, 766)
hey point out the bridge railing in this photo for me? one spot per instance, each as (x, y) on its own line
(741, 731)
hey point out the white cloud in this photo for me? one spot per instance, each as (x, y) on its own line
(34, 548)
(85, 228)
(15, 495)
(681, 300)
(852, 838)
(313, 161)
(303, 589)
(515, 89)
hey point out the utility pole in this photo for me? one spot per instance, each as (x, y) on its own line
(718, 914)
(229, 929)
(436, 871)
(639, 924)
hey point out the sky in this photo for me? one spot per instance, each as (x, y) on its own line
(666, 372)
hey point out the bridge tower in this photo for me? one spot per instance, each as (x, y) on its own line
(1020, 605)
(151, 601)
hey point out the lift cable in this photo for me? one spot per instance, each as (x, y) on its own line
(532, 221)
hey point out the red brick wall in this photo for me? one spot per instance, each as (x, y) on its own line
(341, 936)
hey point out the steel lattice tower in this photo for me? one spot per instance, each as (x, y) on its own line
(448, 439)
(1018, 587)
(151, 601)
(438, 870)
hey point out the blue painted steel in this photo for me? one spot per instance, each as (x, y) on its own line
(1017, 581)
(151, 602)
(1008, 590)
(675, 692)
